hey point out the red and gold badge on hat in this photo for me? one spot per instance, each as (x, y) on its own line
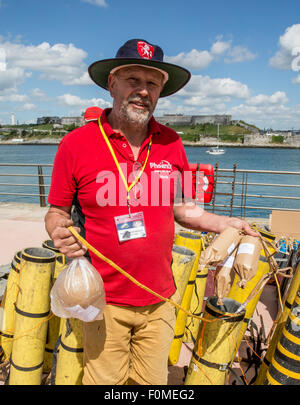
(145, 50)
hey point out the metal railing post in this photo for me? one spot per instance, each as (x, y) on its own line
(232, 188)
(215, 186)
(41, 187)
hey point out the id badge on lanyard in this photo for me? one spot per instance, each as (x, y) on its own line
(132, 225)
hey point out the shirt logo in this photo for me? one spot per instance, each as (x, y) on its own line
(164, 168)
(145, 50)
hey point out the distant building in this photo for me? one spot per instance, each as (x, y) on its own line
(48, 120)
(180, 119)
(12, 119)
(78, 121)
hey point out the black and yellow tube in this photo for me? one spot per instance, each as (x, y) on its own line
(215, 344)
(280, 322)
(241, 294)
(285, 364)
(32, 314)
(8, 308)
(193, 324)
(69, 366)
(54, 322)
(49, 244)
(192, 241)
(182, 263)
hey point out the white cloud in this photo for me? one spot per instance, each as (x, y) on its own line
(197, 60)
(62, 62)
(219, 87)
(265, 115)
(99, 3)
(10, 79)
(220, 47)
(289, 49)
(278, 98)
(239, 54)
(19, 98)
(70, 100)
(26, 107)
(192, 60)
(38, 94)
(296, 80)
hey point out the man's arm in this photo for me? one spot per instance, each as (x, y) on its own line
(194, 217)
(57, 221)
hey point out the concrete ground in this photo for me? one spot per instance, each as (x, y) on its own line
(22, 226)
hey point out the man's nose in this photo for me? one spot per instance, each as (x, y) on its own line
(143, 89)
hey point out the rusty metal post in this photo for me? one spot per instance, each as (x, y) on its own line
(41, 186)
(232, 188)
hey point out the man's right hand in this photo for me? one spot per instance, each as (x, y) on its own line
(57, 221)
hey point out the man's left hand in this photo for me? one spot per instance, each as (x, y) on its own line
(242, 225)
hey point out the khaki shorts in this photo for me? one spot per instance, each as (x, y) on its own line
(130, 342)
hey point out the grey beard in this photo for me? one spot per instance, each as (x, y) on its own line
(135, 117)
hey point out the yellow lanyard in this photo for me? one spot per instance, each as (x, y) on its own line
(128, 188)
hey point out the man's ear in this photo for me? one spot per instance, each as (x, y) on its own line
(110, 84)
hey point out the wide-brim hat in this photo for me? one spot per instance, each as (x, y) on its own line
(140, 52)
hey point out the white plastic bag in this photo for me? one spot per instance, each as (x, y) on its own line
(78, 292)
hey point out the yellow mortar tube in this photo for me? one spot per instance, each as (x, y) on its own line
(49, 244)
(54, 323)
(215, 344)
(285, 363)
(193, 241)
(280, 322)
(69, 367)
(241, 294)
(182, 267)
(192, 324)
(8, 308)
(32, 314)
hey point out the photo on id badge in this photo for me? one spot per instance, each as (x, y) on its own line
(130, 226)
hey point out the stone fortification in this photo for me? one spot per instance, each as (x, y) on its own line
(180, 119)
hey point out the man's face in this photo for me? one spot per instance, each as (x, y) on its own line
(135, 91)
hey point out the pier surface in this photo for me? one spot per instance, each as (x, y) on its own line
(22, 226)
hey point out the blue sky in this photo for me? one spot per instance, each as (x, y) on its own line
(244, 56)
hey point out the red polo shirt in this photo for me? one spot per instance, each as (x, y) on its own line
(84, 167)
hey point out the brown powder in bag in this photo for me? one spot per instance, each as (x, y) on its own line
(221, 247)
(79, 284)
(247, 259)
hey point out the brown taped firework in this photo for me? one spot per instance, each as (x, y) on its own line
(247, 259)
(221, 247)
(222, 277)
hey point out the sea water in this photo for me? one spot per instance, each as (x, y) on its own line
(267, 159)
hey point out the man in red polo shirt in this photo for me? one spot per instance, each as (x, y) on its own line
(122, 174)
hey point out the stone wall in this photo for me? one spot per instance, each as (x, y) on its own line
(256, 139)
(171, 119)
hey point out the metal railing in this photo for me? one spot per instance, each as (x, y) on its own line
(38, 175)
(234, 189)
